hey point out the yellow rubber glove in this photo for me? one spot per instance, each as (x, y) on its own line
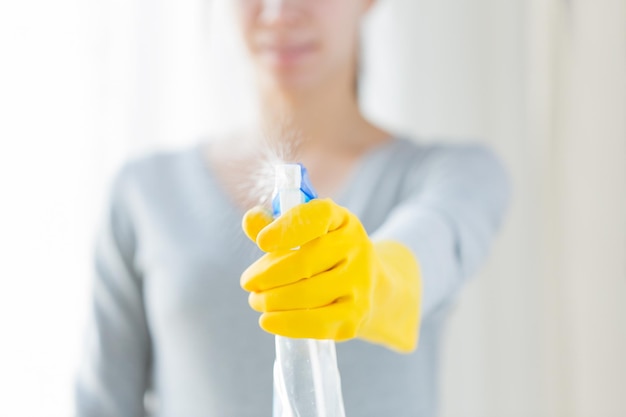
(337, 284)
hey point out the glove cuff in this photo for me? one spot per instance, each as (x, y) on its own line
(396, 304)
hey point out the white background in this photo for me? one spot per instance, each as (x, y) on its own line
(541, 331)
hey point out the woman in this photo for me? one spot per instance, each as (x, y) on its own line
(381, 257)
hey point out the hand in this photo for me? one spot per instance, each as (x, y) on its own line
(337, 284)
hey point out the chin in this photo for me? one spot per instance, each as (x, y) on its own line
(293, 80)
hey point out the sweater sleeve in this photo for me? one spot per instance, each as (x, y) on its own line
(113, 375)
(453, 202)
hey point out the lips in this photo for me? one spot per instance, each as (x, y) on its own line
(287, 54)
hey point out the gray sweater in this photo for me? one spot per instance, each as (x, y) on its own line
(168, 315)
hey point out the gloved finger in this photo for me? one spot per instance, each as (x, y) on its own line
(285, 267)
(302, 224)
(336, 321)
(254, 221)
(315, 292)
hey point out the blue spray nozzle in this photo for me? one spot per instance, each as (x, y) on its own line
(306, 188)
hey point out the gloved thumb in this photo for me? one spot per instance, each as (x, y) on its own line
(254, 221)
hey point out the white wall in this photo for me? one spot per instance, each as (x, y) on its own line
(48, 200)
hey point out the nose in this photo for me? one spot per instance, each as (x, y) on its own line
(279, 11)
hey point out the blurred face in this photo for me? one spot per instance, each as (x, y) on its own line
(301, 44)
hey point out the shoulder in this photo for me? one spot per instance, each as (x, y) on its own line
(151, 182)
(426, 158)
(419, 152)
(150, 172)
(158, 166)
(448, 164)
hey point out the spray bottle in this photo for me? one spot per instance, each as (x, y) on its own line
(306, 376)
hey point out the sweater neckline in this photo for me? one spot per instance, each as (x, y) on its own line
(209, 175)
